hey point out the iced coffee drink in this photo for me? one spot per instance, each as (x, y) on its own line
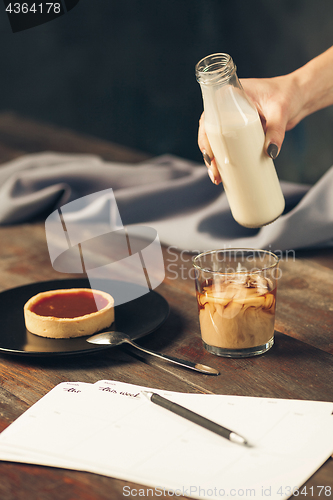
(236, 304)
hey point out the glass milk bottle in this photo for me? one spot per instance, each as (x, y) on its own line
(237, 138)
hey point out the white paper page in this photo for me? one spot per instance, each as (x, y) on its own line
(111, 429)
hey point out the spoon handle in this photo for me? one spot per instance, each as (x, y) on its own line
(198, 367)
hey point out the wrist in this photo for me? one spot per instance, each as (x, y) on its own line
(314, 83)
(303, 80)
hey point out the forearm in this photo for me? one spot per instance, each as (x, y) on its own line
(315, 83)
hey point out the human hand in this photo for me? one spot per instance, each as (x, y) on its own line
(280, 106)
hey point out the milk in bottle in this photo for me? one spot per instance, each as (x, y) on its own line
(237, 138)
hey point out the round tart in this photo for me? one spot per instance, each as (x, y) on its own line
(73, 312)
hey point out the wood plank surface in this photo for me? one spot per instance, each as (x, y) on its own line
(305, 303)
(20, 135)
(300, 364)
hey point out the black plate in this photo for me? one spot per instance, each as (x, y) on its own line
(136, 318)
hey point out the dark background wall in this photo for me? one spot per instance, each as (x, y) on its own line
(124, 70)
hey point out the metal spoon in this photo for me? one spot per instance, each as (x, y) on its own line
(117, 338)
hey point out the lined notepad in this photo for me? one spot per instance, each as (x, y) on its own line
(110, 428)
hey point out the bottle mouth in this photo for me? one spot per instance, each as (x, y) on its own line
(214, 68)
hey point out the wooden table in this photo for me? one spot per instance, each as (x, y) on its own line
(299, 366)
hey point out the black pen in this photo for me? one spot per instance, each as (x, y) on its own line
(194, 417)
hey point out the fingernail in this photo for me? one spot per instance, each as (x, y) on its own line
(273, 151)
(206, 157)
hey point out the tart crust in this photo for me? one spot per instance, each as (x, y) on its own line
(62, 327)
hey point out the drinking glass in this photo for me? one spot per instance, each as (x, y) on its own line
(236, 294)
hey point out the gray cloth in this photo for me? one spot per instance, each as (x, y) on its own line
(172, 195)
